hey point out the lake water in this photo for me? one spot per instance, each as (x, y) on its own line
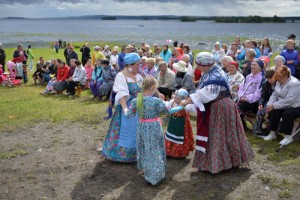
(40, 32)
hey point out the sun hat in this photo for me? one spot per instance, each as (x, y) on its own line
(180, 66)
(96, 47)
(131, 58)
(205, 59)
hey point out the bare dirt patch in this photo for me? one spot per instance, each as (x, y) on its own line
(59, 161)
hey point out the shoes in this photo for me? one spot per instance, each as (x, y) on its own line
(286, 140)
(71, 96)
(67, 93)
(271, 136)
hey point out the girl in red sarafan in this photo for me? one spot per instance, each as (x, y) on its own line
(179, 137)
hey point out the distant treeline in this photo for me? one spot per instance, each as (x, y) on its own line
(249, 19)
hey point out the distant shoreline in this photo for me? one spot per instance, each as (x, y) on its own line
(218, 19)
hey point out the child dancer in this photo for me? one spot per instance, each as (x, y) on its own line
(179, 135)
(151, 153)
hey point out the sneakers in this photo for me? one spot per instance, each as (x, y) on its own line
(271, 136)
(286, 140)
(71, 96)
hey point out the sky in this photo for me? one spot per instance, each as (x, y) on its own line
(64, 8)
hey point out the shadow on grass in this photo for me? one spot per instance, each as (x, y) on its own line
(123, 181)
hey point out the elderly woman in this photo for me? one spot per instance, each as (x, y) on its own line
(182, 78)
(225, 62)
(291, 56)
(109, 74)
(221, 142)
(250, 91)
(279, 62)
(234, 78)
(284, 103)
(218, 53)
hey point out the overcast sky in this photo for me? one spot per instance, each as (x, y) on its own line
(62, 8)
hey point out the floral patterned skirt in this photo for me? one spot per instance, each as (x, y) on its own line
(182, 150)
(111, 150)
(227, 145)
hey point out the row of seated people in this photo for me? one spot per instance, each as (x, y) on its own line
(99, 78)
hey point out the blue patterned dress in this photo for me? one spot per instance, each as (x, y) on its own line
(120, 141)
(151, 152)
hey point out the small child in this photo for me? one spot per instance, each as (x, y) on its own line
(151, 153)
(179, 135)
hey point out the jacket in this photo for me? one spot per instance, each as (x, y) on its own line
(79, 75)
(266, 92)
(286, 95)
(289, 54)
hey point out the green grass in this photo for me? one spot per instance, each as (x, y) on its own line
(23, 106)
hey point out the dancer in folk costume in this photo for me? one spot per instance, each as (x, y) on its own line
(221, 142)
(120, 141)
(179, 136)
(151, 153)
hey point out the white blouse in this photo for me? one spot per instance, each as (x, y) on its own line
(206, 95)
(121, 88)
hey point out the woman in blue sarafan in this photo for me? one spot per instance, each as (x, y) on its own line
(120, 141)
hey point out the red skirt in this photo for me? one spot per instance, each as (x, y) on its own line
(227, 145)
(182, 150)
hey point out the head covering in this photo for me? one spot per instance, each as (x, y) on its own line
(144, 58)
(235, 64)
(116, 48)
(131, 58)
(215, 77)
(179, 50)
(265, 59)
(96, 47)
(180, 66)
(279, 57)
(260, 63)
(205, 59)
(182, 94)
(106, 47)
(291, 36)
(104, 62)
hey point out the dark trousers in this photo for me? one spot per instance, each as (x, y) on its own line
(166, 91)
(288, 116)
(71, 87)
(247, 107)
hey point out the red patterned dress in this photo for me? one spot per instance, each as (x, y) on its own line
(176, 146)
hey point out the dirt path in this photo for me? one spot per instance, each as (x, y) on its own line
(49, 161)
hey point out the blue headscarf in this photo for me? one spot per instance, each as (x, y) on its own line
(131, 58)
(215, 76)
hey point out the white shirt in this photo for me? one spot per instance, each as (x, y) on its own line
(121, 88)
